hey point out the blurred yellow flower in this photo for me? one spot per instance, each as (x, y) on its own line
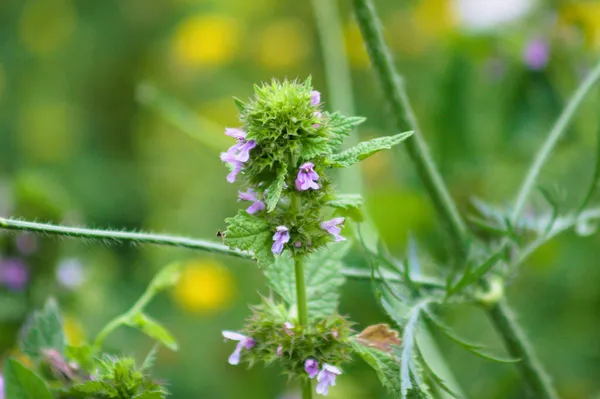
(357, 54)
(434, 18)
(586, 15)
(46, 25)
(205, 40)
(74, 331)
(283, 44)
(48, 132)
(205, 286)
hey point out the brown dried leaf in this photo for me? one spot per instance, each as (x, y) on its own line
(379, 336)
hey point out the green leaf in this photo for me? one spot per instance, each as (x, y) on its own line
(167, 277)
(274, 191)
(83, 355)
(249, 233)
(366, 149)
(239, 104)
(341, 127)
(471, 276)
(45, 331)
(595, 183)
(434, 377)
(348, 205)
(153, 329)
(314, 146)
(472, 347)
(384, 364)
(91, 387)
(323, 279)
(22, 383)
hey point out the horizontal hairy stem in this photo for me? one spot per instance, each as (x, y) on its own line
(119, 236)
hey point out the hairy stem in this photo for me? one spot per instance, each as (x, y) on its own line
(553, 137)
(119, 236)
(518, 346)
(302, 313)
(397, 97)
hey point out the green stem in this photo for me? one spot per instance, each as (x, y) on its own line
(397, 97)
(553, 137)
(302, 313)
(119, 236)
(123, 319)
(518, 346)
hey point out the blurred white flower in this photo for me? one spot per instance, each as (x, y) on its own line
(69, 273)
(482, 15)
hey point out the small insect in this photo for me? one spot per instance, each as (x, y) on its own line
(221, 235)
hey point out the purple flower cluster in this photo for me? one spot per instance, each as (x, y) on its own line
(536, 54)
(325, 377)
(238, 153)
(243, 341)
(307, 177)
(280, 238)
(250, 195)
(1, 387)
(14, 273)
(333, 227)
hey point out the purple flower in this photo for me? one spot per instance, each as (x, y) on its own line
(280, 237)
(307, 177)
(333, 228)
(14, 273)
(250, 195)
(244, 342)
(70, 273)
(536, 54)
(1, 387)
(238, 153)
(326, 378)
(315, 98)
(287, 327)
(235, 133)
(311, 366)
(280, 351)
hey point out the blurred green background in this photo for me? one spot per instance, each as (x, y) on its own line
(77, 146)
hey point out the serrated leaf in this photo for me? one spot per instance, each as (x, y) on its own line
(274, 191)
(434, 377)
(91, 387)
(314, 146)
(323, 279)
(472, 347)
(341, 127)
(167, 277)
(366, 149)
(249, 233)
(22, 383)
(153, 329)
(386, 367)
(44, 331)
(348, 205)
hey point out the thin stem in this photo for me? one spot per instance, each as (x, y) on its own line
(119, 236)
(518, 346)
(396, 96)
(302, 312)
(553, 137)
